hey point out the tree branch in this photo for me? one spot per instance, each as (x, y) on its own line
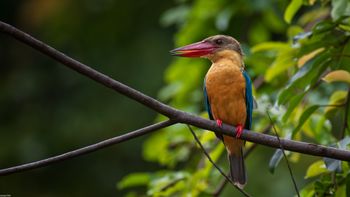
(174, 114)
(86, 149)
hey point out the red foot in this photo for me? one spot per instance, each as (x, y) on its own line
(219, 122)
(239, 130)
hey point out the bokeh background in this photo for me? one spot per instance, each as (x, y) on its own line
(47, 109)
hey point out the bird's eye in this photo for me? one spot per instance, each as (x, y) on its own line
(219, 41)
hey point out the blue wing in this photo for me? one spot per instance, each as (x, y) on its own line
(206, 102)
(249, 100)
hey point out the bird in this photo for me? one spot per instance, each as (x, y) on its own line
(227, 94)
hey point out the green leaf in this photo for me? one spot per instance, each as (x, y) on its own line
(337, 98)
(340, 8)
(292, 9)
(134, 179)
(292, 105)
(305, 77)
(316, 169)
(323, 27)
(308, 191)
(347, 185)
(165, 184)
(305, 58)
(284, 60)
(341, 191)
(306, 114)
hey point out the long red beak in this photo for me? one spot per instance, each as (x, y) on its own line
(197, 49)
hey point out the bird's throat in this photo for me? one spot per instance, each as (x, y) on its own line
(227, 57)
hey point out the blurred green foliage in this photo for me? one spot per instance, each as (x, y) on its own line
(297, 53)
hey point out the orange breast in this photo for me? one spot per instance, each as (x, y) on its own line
(225, 86)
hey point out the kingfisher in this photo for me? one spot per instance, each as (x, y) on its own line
(227, 94)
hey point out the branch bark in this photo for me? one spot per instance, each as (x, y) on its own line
(171, 113)
(86, 149)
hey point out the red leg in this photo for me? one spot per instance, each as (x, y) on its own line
(219, 122)
(239, 130)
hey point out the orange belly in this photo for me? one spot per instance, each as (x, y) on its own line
(226, 93)
(225, 87)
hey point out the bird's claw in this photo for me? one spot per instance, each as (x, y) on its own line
(239, 131)
(219, 123)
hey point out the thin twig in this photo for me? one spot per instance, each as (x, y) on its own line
(346, 113)
(86, 149)
(284, 155)
(214, 164)
(223, 182)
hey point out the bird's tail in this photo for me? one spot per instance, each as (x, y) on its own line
(237, 168)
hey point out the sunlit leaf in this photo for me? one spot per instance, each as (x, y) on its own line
(337, 76)
(308, 56)
(316, 169)
(345, 27)
(292, 9)
(308, 191)
(311, 2)
(134, 179)
(337, 98)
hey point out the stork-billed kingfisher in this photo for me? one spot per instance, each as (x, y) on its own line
(227, 93)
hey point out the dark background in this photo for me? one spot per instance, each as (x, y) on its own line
(47, 109)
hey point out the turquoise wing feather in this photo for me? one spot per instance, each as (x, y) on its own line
(249, 100)
(206, 102)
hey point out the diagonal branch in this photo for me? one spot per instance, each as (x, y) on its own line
(86, 149)
(174, 114)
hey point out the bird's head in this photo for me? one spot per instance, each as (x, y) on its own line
(210, 47)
